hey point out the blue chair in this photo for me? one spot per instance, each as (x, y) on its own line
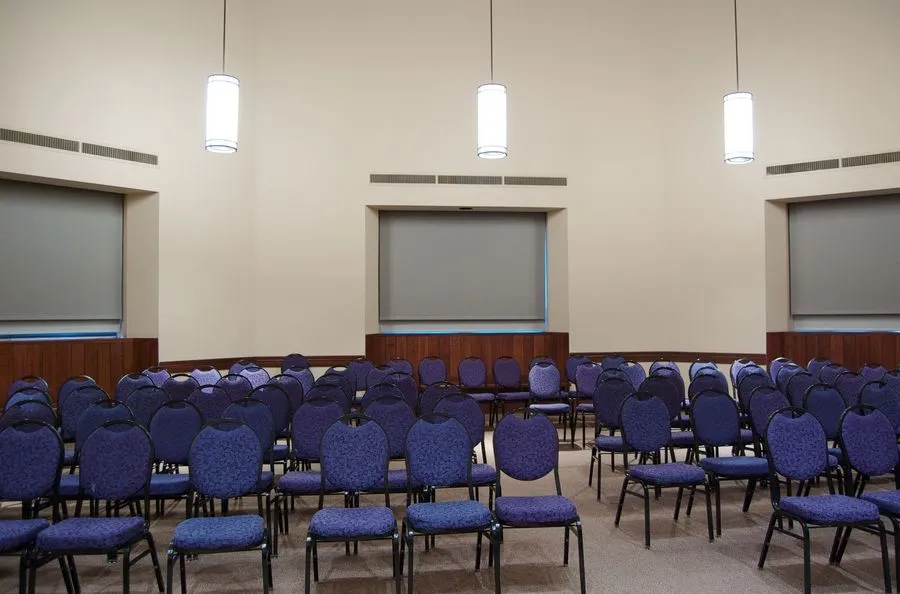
(816, 364)
(572, 365)
(173, 428)
(586, 377)
(699, 364)
(129, 383)
(664, 364)
(468, 412)
(400, 364)
(736, 368)
(608, 398)
(775, 366)
(750, 382)
(330, 392)
(472, 374)
(377, 391)
(159, 375)
(826, 404)
(235, 385)
(211, 400)
(378, 375)
(69, 386)
(395, 417)
(527, 450)
(294, 360)
(361, 368)
(28, 381)
(635, 373)
(785, 374)
(180, 386)
(829, 373)
(407, 385)
(872, 372)
(544, 389)
(74, 404)
(354, 460)
(256, 375)
(797, 450)
(432, 395)
(707, 379)
(241, 364)
(116, 463)
(432, 369)
(302, 375)
(716, 423)
(292, 387)
(612, 361)
(764, 400)
(28, 394)
(206, 375)
(878, 395)
(439, 454)
(279, 403)
(850, 384)
(34, 409)
(145, 401)
(797, 386)
(508, 379)
(646, 430)
(31, 457)
(225, 461)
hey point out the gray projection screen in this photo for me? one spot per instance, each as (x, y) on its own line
(462, 266)
(845, 256)
(60, 253)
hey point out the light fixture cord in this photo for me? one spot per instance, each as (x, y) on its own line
(492, 40)
(224, 21)
(737, 62)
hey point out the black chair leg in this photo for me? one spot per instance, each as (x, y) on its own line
(766, 541)
(807, 571)
(155, 559)
(885, 561)
(646, 515)
(748, 495)
(409, 571)
(496, 539)
(307, 560)
(578, 534)
(566, 546)
(709, 520)
(395, 561)
(182, 574)
(170, 562)
(621, 500)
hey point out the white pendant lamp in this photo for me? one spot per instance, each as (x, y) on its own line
(738, 115)
(492, 112)
(222, 93)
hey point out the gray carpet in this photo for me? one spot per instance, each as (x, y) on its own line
(681, 558)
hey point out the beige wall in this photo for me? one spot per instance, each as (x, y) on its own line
(264, 251)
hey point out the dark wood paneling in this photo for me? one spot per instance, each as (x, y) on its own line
(186, 365)
(454, 347)
(850, 349)
(680, 356)
(105, 360)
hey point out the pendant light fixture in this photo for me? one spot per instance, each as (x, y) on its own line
(492, 112)
(738, 114)
(222, 91)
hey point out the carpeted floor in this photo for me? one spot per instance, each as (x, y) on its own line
(681, 558)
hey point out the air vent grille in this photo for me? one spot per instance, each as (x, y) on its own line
(803, 167)
(475, 180)
(876, 159)
(117, 153)
(512, 180)
(53, 142)
(400, 178)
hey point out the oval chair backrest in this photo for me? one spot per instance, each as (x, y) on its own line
(541, 359)
(869, 441)
(586, 377)
(464, 409)
(736, 367)
(785, 374)
(608, 398)
(279, 404)
(775, 366)
(70, 385)
(95, 415)
(797, 387)
(211, 400)
(257, 416)
(309, 425)
(348, 374)
(673, 376)
(707, 381)
(158, 375)
(826, 404)
(27, 394)
(764, 401)
(395, 417)
(361, 368)
(355, 458)
(438, 452)
(407, 385)
(526, 449)
(472, 372)
(544, 381)
(31, 458)
(698, 365)
(872, 371)
(613, 372)
(129, 383)
(304, 376)
(849, 385)
(400, 364)
(830, 373)
(256, 375)
(29, 381)
(750, 370)
(797, 447)
(507, 373)
(225, 459)
(635, 373)
(645, 423)
(329, 392)
(236, 386)
(378, 374)
(294, 360)
(173, 428)
(572, 365)
(32, 408)
(715, 420)
(379, 390)
(664, 364)
(75, 404)
(432, 395)
(432, 369)
(878, 395)
(340, 381)
(238, 366)
(145, 401)
(180, 386)
(292, 387)
(612, 362)
(748, 384)
(815, 365)
(892, 380)
(206, 375)
(116, 461)
(666, 389)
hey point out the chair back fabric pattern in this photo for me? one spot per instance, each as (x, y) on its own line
(173, 428)
(225, 459)
(31, 458)
(438, 452)
(526, 449)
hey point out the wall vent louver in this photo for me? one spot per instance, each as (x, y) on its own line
(512, 180)
(803, 167)
(401, 178)
(53, 142)
(472, 180)
(876, 159)
(117, 153)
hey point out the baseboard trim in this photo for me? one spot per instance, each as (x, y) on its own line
(186, 365)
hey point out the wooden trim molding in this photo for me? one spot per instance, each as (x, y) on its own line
(186, 365)
(680, 356)
(850, 349)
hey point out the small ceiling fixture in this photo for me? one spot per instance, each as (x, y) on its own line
(222, 92)
(492, 111)
(738, 114)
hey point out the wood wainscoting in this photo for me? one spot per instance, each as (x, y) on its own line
(452, 348)
(105, 360)
(850, 349)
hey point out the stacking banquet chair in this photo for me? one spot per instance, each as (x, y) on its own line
(329, 392)
(159, 375)
(303, 375)
(664, 364)
(396, 417)
(31, 456)
(527, 450)
(829, 373)
(28, 394)
(206, 375)
(749, 379)
(572, 365)
(468, 412)
(354, 460)
(508, 379)
(292, 387)
(736, 368)
(280, 405)
(173, 428)
(872, 372)
(256, 375)
(235, 385)
(69, 386)
(586, 377)
(211, 400)
(180, 386)
(826, 404)
(645, 431)
(400, 364)
(797, 450)
(432, 369)
(225, 461)
(378, 375)
(815, 365)
(116, 462)
(699, 364)
(612, 361)
(348, 374)
(849, 385)
(129, 383)
(407, 385)
(294, 360)
(775, 366)
(432, 395)
(379, 390)
(785, 374)
(238, 366)
(609, 394)
(635, 373)
(32, 408)
(361, 368)
(30, 381)
(145, 401)
(878, 395)
(340, 382)
(439, 454)
(797, 387)
(763, 401)
(716, 424)
(74, 404)
(473, 381)
(870, 449)
(544, 388)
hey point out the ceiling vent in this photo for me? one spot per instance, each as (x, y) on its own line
(803, 167)
(466, 180)
(876, 159)
(401, 178)
(53, 142)
(512, 180)
(116, 153)
(471, 180)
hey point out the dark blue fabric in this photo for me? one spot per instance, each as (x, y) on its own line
(343, 522)
(30, 457)
(696, 366)
(129, 383)
(169, 485)
(145, 401)
(636, 374)
(585, 407)
(708, 381)
(674, 473)
(397, 479)
(662, 364)
(258, 416)
(96, 534)
(69, 485)
(776, 365)
(361, 368)
(180, 386)
(395, 417)
(265, 483)
(483, 396)
(870, 442)
(682, 439)
(763, 402)
(303, 482)
(736, 466)
(879, 395)
(236, 386)
(830, 373)
(292, 388)
(309, 425)
(750, 383)
(472, 372)
(116, 462)
(220, 533)
(432, 370)
(797, 446)
(379, 390)
(872, 372)
(830, 509)
(526, 449)
(483, 474)
(826, 404)
(608, 396)
(507, 373)
(645, 423)
(513, 396)
(206, 376)
(432, 395)
(304, 376)
(355, 458)
(849, 385)
(438, 453)
(467, 411)
(888, 502)
(815, 365)
(736, 368)
(378, 375)
(95, 415)
(610, 443)
(225, 460)
(75, 404)
(407, 385)
(72, 384)
(343, 378)
(401, 365)
(586, 377)
(211, 400)
(797, 387)
(23, 383)
(158, 375)
(37, 410)
(555, 408)
(15, 534)
(544, 381)
(256, 375)
(294, 360)
(241, 365)
(173, 428)
(541, 510)
(715, 419)
(572, 365)
(333, 393)
(784, 376)
(667, 390)
(613, 372)
(25, 394)
(612, 361)
(448, 516)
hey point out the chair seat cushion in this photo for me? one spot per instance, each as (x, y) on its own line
(585, 407)
(68, 485)
(830, 509)
(169, 485)
(302, 482)
(265, 483)
(551, 408)
(350, 522)
(15, 534)
(610, 443)
(279, 453)
(746, 436)
(482, 396)
(448, 516)
(483, 474)
(90, 534)
(833, 461)
(888, 502)
(219, 533)
(736, 466)
(682, 439)
(513, 396)
(675, 473)
(835, 453)
(397, 480)
(546, 510)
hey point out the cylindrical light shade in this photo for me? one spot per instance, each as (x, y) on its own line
(492, 121)
(222, 91)
(738, 128)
